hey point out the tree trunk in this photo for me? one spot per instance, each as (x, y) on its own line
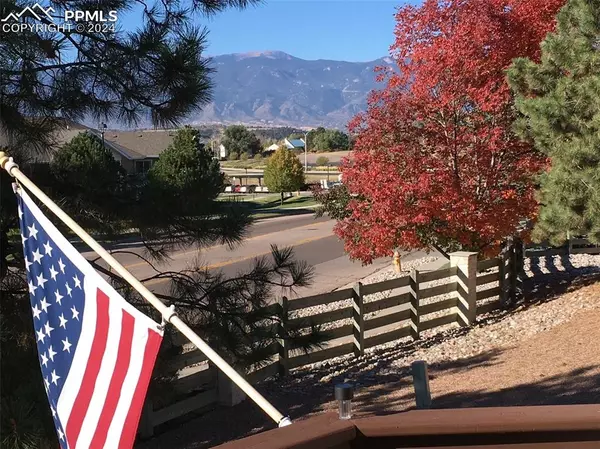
(282, 198)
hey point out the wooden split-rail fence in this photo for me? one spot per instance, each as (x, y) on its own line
(359, 318)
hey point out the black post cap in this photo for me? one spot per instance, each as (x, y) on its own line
(344, 392)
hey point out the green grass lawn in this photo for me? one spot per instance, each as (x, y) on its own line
(250, 163)
(269, 204)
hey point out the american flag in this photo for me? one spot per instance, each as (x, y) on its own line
(96, 351)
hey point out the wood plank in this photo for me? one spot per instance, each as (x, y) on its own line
(201, 400)
(483, 265)
(504, 422)
(386, 320)
(486, 308)
(181, 361)
(272, 309)
(487, 278)
(321, 355)
(386, 303)
(263, 373)
(545, 252)
(437, 290)
(321, 431)
(198, 380)
(342, 331)
(553, 445)
(382, 286)
(439, 305)
(437, 274)
(488, 293)
(317, 300)
(446, 319)
(590, 250)
(321, 318)
(386, 337)
(580, 242)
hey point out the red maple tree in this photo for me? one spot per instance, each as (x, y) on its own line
(435, 162)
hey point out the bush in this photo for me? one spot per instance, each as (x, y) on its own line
(258, 157)
(244, 156)
(233, 156)
(322, 160)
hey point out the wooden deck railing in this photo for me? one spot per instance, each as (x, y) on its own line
(541, 427)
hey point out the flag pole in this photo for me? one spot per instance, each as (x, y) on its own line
(168, 313)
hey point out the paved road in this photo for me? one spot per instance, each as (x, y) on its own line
(312, 239)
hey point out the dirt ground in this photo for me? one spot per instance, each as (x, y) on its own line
(560, 365)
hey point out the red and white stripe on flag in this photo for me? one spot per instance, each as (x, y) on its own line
(96, 350)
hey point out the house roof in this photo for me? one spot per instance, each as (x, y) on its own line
(66, 130)
(139, 144)
(132, 145)
(295, 143)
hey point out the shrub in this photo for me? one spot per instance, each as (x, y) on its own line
(322, 160)
(233, 156)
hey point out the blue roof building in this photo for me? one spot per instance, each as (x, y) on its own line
(294, 144)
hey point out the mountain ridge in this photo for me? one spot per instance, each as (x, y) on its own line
(272, 88)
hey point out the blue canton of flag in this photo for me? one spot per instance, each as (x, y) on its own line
(96, 351)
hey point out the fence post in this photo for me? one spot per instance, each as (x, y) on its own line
(502, 275)
(514, 269)
(466, 264)
(358, 320)
(519, 254)
(415, 319)
(420, 375)
(229, 394)
(283, 342)
(146, 429)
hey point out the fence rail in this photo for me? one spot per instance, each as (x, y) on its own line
(412, 304)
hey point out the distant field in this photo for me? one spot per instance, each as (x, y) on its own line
(334, 159)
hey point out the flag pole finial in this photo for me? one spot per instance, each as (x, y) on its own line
(7, 163)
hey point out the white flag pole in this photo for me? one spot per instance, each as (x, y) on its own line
(168, 313)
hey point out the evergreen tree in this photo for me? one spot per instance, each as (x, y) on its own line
(188, 168)
(559, 99)
(283, 172)
(76, 163)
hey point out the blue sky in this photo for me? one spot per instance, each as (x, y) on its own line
(350, 30)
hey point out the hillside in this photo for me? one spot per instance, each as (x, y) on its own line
(274, 88)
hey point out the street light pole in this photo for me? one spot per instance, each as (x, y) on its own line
(305, 151)
(102, 127)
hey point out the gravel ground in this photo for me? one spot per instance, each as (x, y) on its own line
(544, 351)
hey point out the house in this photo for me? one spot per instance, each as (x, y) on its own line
(294, 144)
(271, 148)
(136, 151)
(222, 151)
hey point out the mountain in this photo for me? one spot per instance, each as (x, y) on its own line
(274, 88)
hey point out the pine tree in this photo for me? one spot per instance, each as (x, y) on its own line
(559, 99)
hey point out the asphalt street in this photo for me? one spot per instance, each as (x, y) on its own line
(312, 239)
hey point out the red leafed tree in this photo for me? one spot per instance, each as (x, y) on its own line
(435, 162)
